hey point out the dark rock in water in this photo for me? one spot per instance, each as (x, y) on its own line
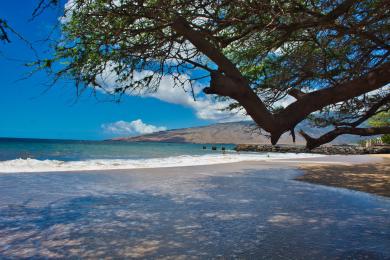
(327, 149)
(204, 147)
(214, 148)
(223, 148)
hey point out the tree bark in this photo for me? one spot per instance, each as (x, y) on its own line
(312, 143)
(228, 81)
(313, 101)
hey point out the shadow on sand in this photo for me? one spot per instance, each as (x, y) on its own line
(250, 215)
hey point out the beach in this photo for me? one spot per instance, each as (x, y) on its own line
(248, 210)
(371, 177)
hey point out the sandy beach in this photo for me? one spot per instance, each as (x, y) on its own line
(247, 210)
(373, 177)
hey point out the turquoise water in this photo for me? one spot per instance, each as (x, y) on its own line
(31, 155)
(66, 150)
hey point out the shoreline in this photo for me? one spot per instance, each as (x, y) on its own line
(34, 165)
(366, 173)
(271, 162)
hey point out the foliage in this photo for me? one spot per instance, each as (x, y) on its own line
(386, 138)
(279, 49)
(3, 31)
(380, 120)
(6, 29)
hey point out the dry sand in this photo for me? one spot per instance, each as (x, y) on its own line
(372, 177)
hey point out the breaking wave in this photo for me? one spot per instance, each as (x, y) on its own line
(33, 165)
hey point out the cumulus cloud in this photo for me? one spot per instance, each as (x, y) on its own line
(205, 107)
(136, 127)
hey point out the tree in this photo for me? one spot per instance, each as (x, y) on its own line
(381, 120)
(6, 29)
(330, 56)
(3, 31)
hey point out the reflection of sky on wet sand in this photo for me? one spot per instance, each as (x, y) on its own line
(184, 213)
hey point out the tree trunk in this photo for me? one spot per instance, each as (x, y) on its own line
(228, 81)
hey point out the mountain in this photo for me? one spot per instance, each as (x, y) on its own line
(235, 133)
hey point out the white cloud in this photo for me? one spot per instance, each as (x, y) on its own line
(284, 102)
(205, 107)
(136, 127)
(69, 7)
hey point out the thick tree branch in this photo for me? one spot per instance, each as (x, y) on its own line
(296, 93)
(372, 111)
(326, 51)
(312, 143)
(340, 10)
(225, 86)
(232, 84)
(181, 26)
(313, 101)
(322, 20)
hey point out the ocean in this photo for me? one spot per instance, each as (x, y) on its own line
(39, 155)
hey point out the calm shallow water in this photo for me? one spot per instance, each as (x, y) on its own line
(193, 212)
(67, 150)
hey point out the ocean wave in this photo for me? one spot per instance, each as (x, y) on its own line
(33, 165)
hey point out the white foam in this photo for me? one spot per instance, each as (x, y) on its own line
(33, 165)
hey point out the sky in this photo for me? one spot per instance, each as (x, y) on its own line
(31, 109)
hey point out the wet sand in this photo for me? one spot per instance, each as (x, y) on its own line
(251, 210)
(373, 177)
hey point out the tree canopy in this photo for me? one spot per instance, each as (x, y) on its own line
(381, 120)
(281, 61)
(3, 31)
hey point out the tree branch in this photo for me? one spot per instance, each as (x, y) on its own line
(225, 86)
(312, 143)
(322, 19)
(232, 84)
(372, 111)
(313, 101)
(181, 26)
(3, 33)
(296, 93)
(340, 10)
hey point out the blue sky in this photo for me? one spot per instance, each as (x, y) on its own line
(29, 109)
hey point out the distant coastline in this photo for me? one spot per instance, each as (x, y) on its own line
(243, 132)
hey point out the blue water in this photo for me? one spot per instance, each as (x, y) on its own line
(67, 150)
